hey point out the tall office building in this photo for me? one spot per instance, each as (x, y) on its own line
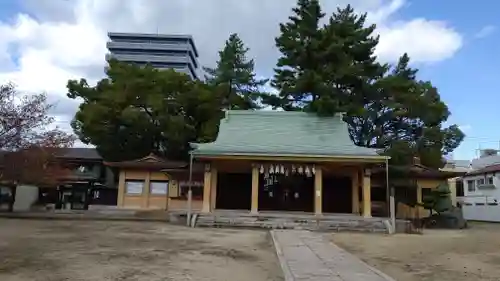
(160, 50)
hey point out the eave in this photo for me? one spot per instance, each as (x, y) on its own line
(293, 157)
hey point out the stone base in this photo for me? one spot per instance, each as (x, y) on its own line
(277, 220)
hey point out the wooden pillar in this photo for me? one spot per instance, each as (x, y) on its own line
(367, 201)
(213, 188)
(255, 190)
(452, 183)
(416, 212)
(145, 191)
(318, 191)
(207, 186)
(121, 188)
(355, 192)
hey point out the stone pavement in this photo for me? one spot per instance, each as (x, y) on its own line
(306, 255)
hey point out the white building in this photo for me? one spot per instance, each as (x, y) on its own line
(482, 194)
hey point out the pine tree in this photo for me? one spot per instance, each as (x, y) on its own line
(136, 110)
(438, 200)
(405, 118)
(350, 64)
(235, 76)
(325, 69)
(331, 68)
(298, 75)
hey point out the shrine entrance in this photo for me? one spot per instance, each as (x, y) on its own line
(285, 189)
(234, 191)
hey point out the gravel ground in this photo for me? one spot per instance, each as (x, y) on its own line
(444, 255)
(96, 250)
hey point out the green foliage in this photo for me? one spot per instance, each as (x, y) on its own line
(438, 200)
(298, 75)
(332, 68)
(139, 110)
(406, 119)
(235, 76)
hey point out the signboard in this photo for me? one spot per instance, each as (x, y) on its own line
(186, 183)
(134, 187)
(159, 187)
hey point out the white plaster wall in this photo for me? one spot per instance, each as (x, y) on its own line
(26, 196)
(489, 193)
(489, 213)
(482, 204)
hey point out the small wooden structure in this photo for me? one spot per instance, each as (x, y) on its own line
(411, 184)
(153, 182)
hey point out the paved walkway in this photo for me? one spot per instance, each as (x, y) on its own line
(308, 256)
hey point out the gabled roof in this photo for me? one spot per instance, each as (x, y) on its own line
(79, 153)
(418, 171)
(280, 133)
(485, 161)
(149, 162)
(71, 153)
(485, 170)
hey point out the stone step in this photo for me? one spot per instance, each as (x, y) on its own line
(332, 224)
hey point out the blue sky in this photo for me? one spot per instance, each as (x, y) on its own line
(467, 81)
(66, 39)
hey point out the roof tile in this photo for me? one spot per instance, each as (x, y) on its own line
(249, 132)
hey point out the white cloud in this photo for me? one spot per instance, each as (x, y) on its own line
(485, 31)
(423, 40)
(59, 40)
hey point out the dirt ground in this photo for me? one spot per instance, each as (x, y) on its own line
(444, 255)
(91, 250)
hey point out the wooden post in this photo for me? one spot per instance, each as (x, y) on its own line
(255, 190)
(121, 189)
(318, 191)
(207, 185)
(367, 201)
(146, 190)
(355, 192)
(417, 208)
(213, 188)
(392, 208)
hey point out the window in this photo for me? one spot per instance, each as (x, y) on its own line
(158, 187)
(480, 182)
(426, 193)
(150, 52)
(134, 187)
(470, 186)
(490, 180)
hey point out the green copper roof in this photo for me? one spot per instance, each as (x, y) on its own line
(246, 132)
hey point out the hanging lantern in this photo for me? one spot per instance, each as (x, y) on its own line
(277, 169)
(286, 172)
(282, 170)
(307, 171)
(300, 170)
(271, 169)
(261, 169)
(294, 170)
(313, 170)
